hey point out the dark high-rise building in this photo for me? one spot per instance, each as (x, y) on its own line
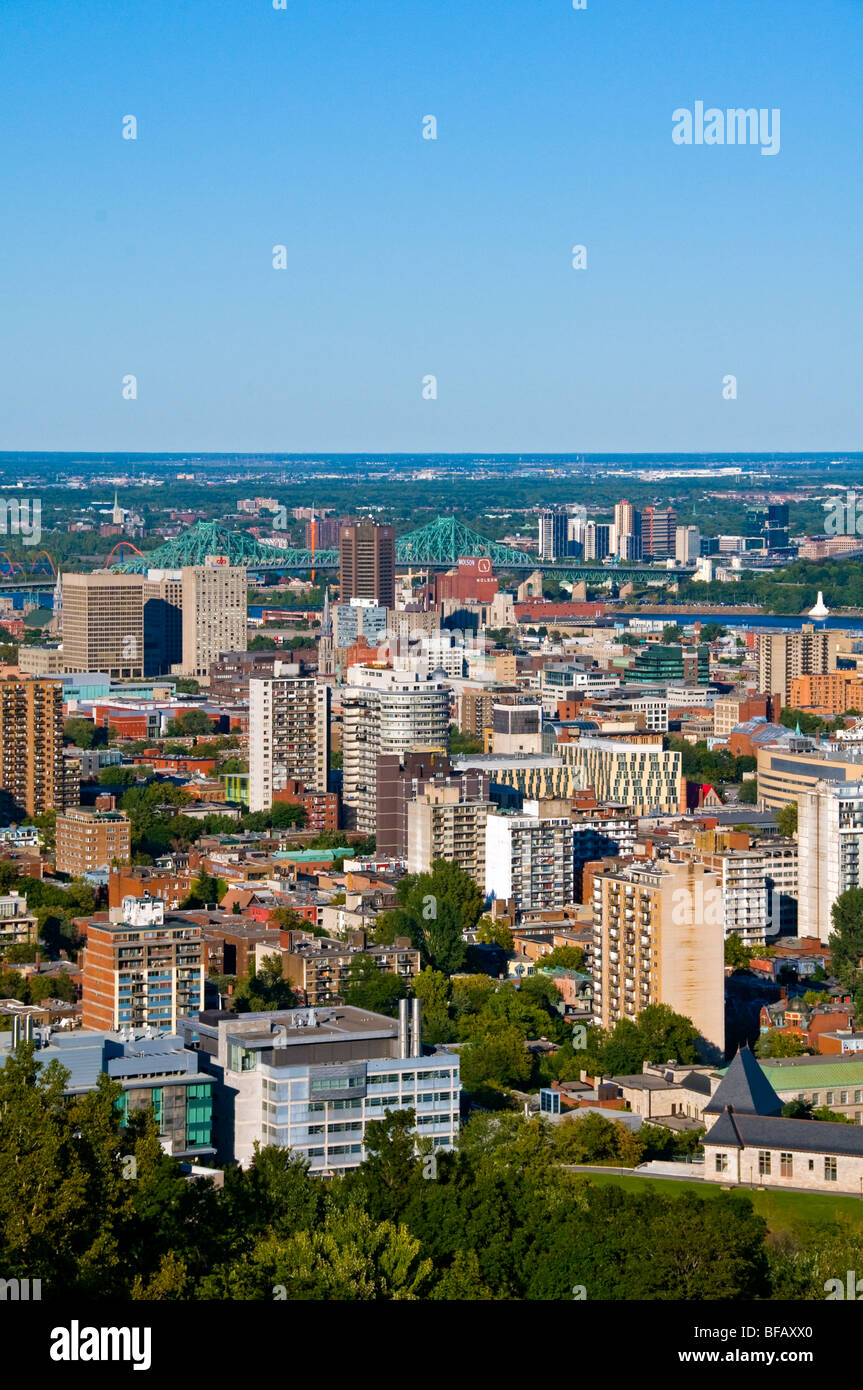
(775, 526)
(770, 525)
(367, 563)
(553, 534)
(657, 532)
(402, 777)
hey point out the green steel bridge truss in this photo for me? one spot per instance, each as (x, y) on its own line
(437, 545)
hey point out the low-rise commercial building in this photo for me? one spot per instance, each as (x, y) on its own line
(159, 1074)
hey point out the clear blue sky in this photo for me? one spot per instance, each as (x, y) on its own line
(409, 257)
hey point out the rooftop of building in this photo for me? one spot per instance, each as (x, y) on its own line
(733, 1130)
(745, 1088)
(642, 1082)
(122, 1055)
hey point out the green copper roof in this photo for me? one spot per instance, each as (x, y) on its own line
(314, 856)
(830, 1072)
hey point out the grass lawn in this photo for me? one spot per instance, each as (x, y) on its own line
(783, 1211)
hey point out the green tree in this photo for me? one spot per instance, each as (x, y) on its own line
(491, 933)
(569, 957)
(81, 733)
(776, 1044)
(589, 1138)
(434, 910)
(737, 955)
(118, 776)
(263, 990)
(192, 721)
(496, 1060)
(206, 890)
(460, 743)
(846, 941)
(432, 988)
(786, 820)
(369, 987)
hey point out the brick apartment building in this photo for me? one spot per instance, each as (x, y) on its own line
(145, 971)
(321, 808)
(92, 838)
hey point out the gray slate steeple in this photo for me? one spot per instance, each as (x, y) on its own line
(745, 1088)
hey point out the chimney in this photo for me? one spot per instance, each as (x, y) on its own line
(403, 1028)
(416, 1029)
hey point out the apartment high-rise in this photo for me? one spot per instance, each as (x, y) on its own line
(659, 939)
(606, 833)
(600, 540)
(782, 656)
(145, 971)
(528, 858)
(367, 562)
(442, 824)
(553, 534)
(658, 529)
(759, 887)
(829, 840)
(627, 529)
(214, 613)
(32, 767)
(89, 838)
(687, 545)
(402, 777)
(385, 711)
(289, 735)
(103, 623)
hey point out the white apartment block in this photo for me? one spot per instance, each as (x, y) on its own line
(289, 735)
(689, 696)
(687, 544)
(556, 683)
(829, 836)
(653, 710)
(529, 859)
(385, 711)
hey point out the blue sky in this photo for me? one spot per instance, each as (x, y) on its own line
(409, 257)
